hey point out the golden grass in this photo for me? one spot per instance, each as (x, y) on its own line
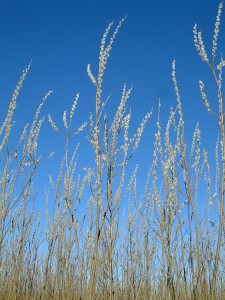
(162, 247)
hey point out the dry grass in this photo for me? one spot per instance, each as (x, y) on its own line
(161, 248)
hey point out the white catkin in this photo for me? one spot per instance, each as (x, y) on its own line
(216, 30)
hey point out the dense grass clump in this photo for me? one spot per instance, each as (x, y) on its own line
(162, 247)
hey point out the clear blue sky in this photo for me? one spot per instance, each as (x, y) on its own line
(62, 37)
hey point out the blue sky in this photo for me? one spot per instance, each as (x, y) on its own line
(62, 37)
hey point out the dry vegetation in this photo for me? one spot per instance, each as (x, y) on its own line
(162, 247)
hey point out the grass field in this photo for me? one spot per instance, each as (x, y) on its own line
(166, 245)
